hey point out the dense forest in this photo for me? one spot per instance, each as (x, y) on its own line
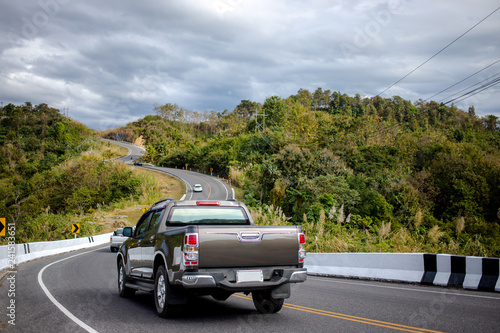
(49, 173)
(359, 174)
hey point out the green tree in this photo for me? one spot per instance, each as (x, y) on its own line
(318, 98)
(304, 97)
(491, 123)
(247, 108)
(275, 112)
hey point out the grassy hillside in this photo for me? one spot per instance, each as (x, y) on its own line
(53, 173)
(359, 174)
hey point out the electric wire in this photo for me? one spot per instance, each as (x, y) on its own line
(475, 91)
(437, 53)
(468, 87)
(468, 77)
(466, 95)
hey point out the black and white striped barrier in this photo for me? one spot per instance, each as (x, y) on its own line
(434, 269)
(461, 272)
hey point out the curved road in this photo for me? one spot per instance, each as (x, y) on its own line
(134, 153)
(77, 292)
(213, 187)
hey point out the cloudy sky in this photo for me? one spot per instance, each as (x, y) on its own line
(108, 62)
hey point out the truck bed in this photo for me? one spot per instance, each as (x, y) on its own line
(247, 246)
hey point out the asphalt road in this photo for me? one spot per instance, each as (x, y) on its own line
(77, 292)
(84, 285)
(135, 152)
(214, 188)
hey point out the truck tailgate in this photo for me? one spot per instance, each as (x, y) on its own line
(248, 246)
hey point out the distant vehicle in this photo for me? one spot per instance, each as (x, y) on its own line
(116, 240)
(138, 163)
(197, 188)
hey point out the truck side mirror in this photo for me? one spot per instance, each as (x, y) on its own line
(127, 231)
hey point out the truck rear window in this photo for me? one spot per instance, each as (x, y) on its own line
(208, 215)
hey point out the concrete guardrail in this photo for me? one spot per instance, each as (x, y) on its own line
(30, 251)
(433, 269)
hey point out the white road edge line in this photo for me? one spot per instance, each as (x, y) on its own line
(400, 288)
(223, 185)
(59, 305)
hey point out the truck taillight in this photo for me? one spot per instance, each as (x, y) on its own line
(191, 250)
(191, 239)
(302, 247)
(302, 239)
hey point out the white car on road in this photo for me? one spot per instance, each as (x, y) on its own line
(116, 240)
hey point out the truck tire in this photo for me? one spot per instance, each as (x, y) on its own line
(123, 290)
(265, 303)
(161, 292)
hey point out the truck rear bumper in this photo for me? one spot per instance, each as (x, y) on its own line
(195, 280)
(198, 281)
(299, 276)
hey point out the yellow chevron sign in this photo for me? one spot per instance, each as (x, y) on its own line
(75, 228)
(2, 226)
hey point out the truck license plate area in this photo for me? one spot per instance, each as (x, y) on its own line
(249, 276)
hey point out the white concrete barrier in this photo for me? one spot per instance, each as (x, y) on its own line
(30, 251)
(436, 269)
(473, 272)
(443, 272)
(408, 267)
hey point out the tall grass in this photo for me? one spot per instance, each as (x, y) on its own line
(330, 234)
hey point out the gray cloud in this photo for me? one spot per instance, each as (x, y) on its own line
(110, 62)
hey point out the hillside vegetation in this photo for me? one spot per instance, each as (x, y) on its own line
(359, 174)
(53, 172)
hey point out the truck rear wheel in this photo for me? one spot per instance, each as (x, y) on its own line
(123, 290)
(265, 303)
(161, 292)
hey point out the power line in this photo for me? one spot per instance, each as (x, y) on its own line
(464, 96)
(468, 77)
(469, 87)
(444, 48)
(475, 91)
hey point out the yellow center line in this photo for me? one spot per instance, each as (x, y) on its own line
(209, 187)
(351, 318)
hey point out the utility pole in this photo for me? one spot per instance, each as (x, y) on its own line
(263, 115)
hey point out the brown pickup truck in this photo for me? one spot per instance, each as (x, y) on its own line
(181, 248)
